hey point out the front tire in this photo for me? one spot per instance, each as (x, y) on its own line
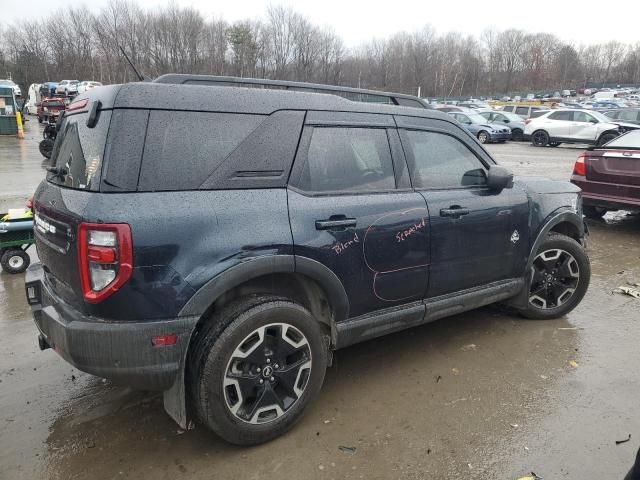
(255, 367)
(46, 147)
(516, 135)
(540, 138)
(483, 137)
(559, 278)
(606, 138)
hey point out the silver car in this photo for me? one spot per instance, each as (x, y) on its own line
(513, 121)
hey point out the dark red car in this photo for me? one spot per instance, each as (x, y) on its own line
(609, 176)
(50, 107)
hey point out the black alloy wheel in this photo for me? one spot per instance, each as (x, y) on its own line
(556, 275)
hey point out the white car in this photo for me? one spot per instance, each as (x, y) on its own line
(573, 126)
(87, 85)
(10, 83)
(68, 87)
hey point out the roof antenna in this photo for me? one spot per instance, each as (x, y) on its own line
(140, 77)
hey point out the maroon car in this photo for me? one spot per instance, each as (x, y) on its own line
(50, 107)
(609, 176)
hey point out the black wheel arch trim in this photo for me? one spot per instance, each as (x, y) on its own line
(175, 397)
(564, 216)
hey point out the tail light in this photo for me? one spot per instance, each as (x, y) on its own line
(580, 167)
(105, 258)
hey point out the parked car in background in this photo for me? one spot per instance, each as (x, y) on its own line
(453, 108)
(524, 111)
(482, 129)
(609, 176)
(11, 84)
(474, 104)
(50, 107)
(68, 87)
(87, 85)
(574, 126)
(513, 121)
(630, 115)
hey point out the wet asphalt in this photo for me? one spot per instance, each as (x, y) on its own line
(482, 395)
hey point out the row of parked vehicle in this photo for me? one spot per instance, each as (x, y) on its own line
(543, 125)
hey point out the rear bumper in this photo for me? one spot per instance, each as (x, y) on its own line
(119, 351)
(599, 194)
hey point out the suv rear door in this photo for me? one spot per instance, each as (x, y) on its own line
(352, 209)
(478, 236)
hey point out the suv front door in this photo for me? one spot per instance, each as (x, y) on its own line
(478, 236)
(584, 127)
(352, 209)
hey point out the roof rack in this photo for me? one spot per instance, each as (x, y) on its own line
(353, 94)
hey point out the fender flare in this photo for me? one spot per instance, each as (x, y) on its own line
(568, 216)
(520, 300)
(175, 397)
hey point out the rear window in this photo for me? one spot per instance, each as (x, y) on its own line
(522, 110)
(183, 149)
(629, 141)
(79, 151)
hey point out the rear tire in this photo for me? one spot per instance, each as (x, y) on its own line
(255, 367)
(592, 212)
(15, 260)
(46, 147)
(540, 138)
(560, 277)
(516, 135)
(554, 144)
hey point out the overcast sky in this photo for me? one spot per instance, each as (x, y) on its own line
(357, 21)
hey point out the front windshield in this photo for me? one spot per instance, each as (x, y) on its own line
(476, 118)
(512, 116)
(600, 117)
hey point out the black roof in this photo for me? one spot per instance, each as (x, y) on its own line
(150, 95)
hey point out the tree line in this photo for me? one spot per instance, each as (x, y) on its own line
(79, 44)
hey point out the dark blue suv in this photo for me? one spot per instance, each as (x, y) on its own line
(217, 243)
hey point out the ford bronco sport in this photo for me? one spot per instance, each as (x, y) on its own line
(218, 243)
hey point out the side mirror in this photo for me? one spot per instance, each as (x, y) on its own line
(593, 120)
(499, 178)
(506, 120)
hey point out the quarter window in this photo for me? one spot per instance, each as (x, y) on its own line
(348, 159)
(522, 110)
(442, 161)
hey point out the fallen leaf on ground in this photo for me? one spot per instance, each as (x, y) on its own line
(573, 363)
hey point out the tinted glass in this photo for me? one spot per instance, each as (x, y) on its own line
(508, 108)
(79, 150)
(566, 116)
(442, 161)
(628, 115)
(183, 148)
(582, 117)
(537, 113)
(522, 110)
(348, 159)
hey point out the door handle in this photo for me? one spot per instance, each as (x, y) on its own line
(335, 222)
(454, 211)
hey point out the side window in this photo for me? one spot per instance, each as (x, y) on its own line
(463, 119)
(629, 115)
(348, 159)
(438, 160)
(522, 111)
(582, 117)
(507, 108)
(183, 148)
(407, 102)
(499, 118)
(561, 115)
